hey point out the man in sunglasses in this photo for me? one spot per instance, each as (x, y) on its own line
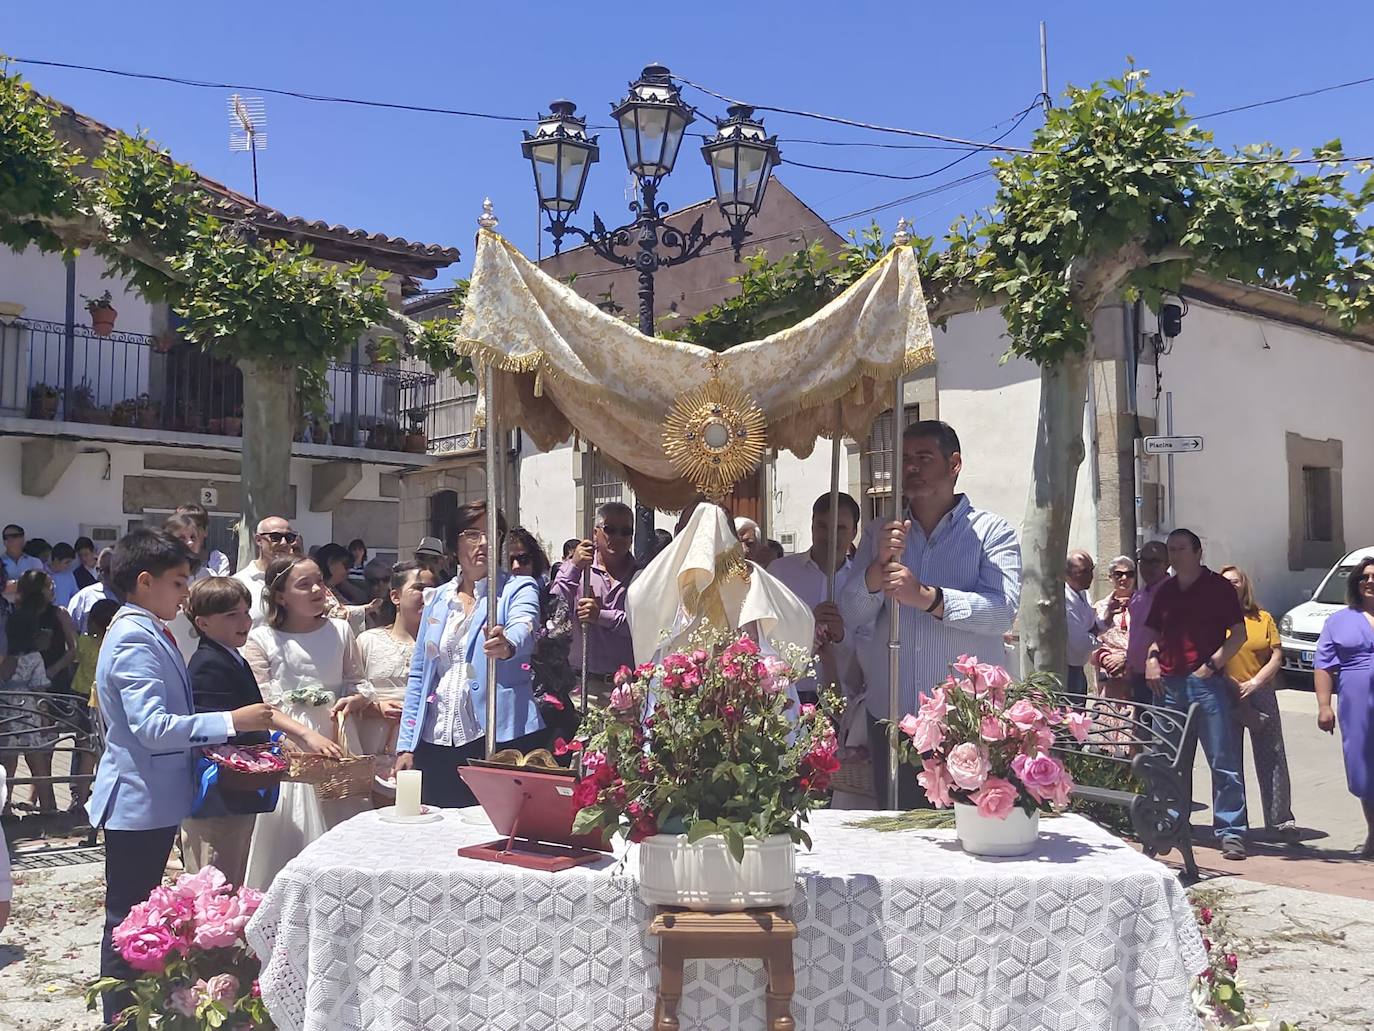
(610, 558)
(274, 539)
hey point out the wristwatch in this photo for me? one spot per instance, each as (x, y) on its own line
(939, 597)
(1212, 666)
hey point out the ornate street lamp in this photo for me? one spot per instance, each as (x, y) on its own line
(653, 119)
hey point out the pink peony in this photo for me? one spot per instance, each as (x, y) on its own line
(908, 725)
(1024, 715)
(996, 798)
(222, 988)
(1041, 739)
(1043, 776)
(207, 880)
(927, 734)
(992, 729)
(968, 765)
(220, 921)
(934, 778)
(965, 686)
(993, 679)
(148, 947)
(1080, 725)
(250, 899)
(965, 666)
(185, 1001)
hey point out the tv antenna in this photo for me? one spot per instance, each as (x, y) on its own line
(247, 125)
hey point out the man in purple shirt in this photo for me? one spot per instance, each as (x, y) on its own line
(1152, 566)
(602, 613)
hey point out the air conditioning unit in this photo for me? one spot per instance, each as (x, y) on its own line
(103, 536)
(788, 540)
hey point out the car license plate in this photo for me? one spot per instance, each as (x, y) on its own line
(1307, 657)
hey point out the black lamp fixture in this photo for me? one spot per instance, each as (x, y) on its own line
(653, 119)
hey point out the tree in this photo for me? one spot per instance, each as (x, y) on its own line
(1119, 195)
(268, 305)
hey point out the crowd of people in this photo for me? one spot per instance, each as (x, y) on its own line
(170, 651)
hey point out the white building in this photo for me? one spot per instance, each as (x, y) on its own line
(1272, 387)
(102, 433)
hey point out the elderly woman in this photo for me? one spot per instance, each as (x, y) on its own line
(1109, 659)
(1345, 655)
(444, 719)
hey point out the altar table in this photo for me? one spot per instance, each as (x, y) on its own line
(383, 927)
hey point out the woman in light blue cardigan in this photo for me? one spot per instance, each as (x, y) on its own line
(444, 720)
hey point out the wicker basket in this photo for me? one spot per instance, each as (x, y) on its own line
(348, 777)
(230, 779)
(855, 774)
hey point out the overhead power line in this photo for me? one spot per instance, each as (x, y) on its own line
(1291, 96)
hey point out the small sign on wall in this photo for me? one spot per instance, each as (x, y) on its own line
(209, 497)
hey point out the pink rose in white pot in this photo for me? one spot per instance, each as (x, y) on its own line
(996, 798)
(1044, 777)
(968, 766)
(934, 778)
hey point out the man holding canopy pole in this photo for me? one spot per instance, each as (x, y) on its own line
(952, 571)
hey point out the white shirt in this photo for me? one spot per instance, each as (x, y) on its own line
(452, 719)
(253, 578)
(1082, 622)
(801, 575)
(84, 600)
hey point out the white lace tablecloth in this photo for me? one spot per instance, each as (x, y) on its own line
(382, 927)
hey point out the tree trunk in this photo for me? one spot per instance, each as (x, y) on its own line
(269, 427)
(1059, 452)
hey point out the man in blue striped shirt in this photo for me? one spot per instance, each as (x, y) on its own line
(955, 572)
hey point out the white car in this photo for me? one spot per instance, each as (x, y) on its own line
(1301, 626)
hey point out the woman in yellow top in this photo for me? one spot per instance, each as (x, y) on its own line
(1255, 670)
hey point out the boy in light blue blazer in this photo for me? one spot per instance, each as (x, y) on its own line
(144, 785)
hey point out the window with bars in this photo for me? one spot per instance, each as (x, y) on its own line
(1316, 490)
(605, 481)
(876, 459)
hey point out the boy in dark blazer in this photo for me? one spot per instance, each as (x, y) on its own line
(221, 828)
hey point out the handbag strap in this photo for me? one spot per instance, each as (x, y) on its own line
(341, 735)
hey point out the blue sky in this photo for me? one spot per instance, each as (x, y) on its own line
(961, 69)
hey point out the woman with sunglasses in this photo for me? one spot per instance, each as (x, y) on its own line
(1345, 655)
(525, 556)
(1113, 614)
(444, 719)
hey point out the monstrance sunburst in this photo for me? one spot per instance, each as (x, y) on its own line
(714, 435)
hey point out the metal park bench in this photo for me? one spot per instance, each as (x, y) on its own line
(67, 728)
(1143, 757)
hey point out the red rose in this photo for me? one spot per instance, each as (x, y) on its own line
(585, 793)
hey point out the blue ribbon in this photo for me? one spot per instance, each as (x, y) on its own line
(207, 779)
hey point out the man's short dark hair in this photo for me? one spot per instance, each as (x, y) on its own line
(933, 429)
(37, 547)
(84, 543)
(569, 546)
(611, 508)
(102, 614)
(1192, 537)
(13, 530)
(61, 551)
(145, 551)
(847, 503)
(195, 511)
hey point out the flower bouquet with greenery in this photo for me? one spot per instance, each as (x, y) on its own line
(195, 970)
(984, 740)
(707, 741)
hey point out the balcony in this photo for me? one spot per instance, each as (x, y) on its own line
(134, 382)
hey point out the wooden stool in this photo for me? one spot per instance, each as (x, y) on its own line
(764, 934)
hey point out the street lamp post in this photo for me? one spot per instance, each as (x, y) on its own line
(653, 119)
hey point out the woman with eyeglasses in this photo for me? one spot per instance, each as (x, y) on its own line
(1255, 670)
(1345, 656)
(444, 721)
(1113, 614)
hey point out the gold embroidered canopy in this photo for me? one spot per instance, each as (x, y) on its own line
(564, 366)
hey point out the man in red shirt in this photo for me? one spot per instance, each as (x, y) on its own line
(1198, 626)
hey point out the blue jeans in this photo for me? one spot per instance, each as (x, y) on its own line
(1219, 734)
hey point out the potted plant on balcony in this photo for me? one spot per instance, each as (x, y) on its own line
(102, 312)
(148, 411)
(43, 401)
(341, 433)
(415, 441)
(706, 761)
(82, 402)
(233, 424)
(165, 342)
(387, 436)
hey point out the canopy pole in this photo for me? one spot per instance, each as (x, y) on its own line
(834, 506)
(493, 544)
(588, 517)
(893, 606)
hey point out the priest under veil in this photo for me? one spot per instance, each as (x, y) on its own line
(703, 578)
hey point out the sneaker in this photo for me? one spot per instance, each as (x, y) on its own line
(1232, 848)
(1289, 833)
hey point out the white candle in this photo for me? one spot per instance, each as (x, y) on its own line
(408, 793)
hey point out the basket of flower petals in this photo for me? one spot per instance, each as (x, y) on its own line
(247, 767)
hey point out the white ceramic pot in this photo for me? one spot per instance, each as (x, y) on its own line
(985, 836)
(704, 876)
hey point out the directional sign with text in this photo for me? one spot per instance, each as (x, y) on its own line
(1172, 445)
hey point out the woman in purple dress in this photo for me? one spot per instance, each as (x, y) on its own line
(1345, 655)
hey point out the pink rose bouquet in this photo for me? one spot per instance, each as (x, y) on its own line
(186, 941)
(984, 740)
(709, 741)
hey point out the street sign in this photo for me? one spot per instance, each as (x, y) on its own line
(1172, 445)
